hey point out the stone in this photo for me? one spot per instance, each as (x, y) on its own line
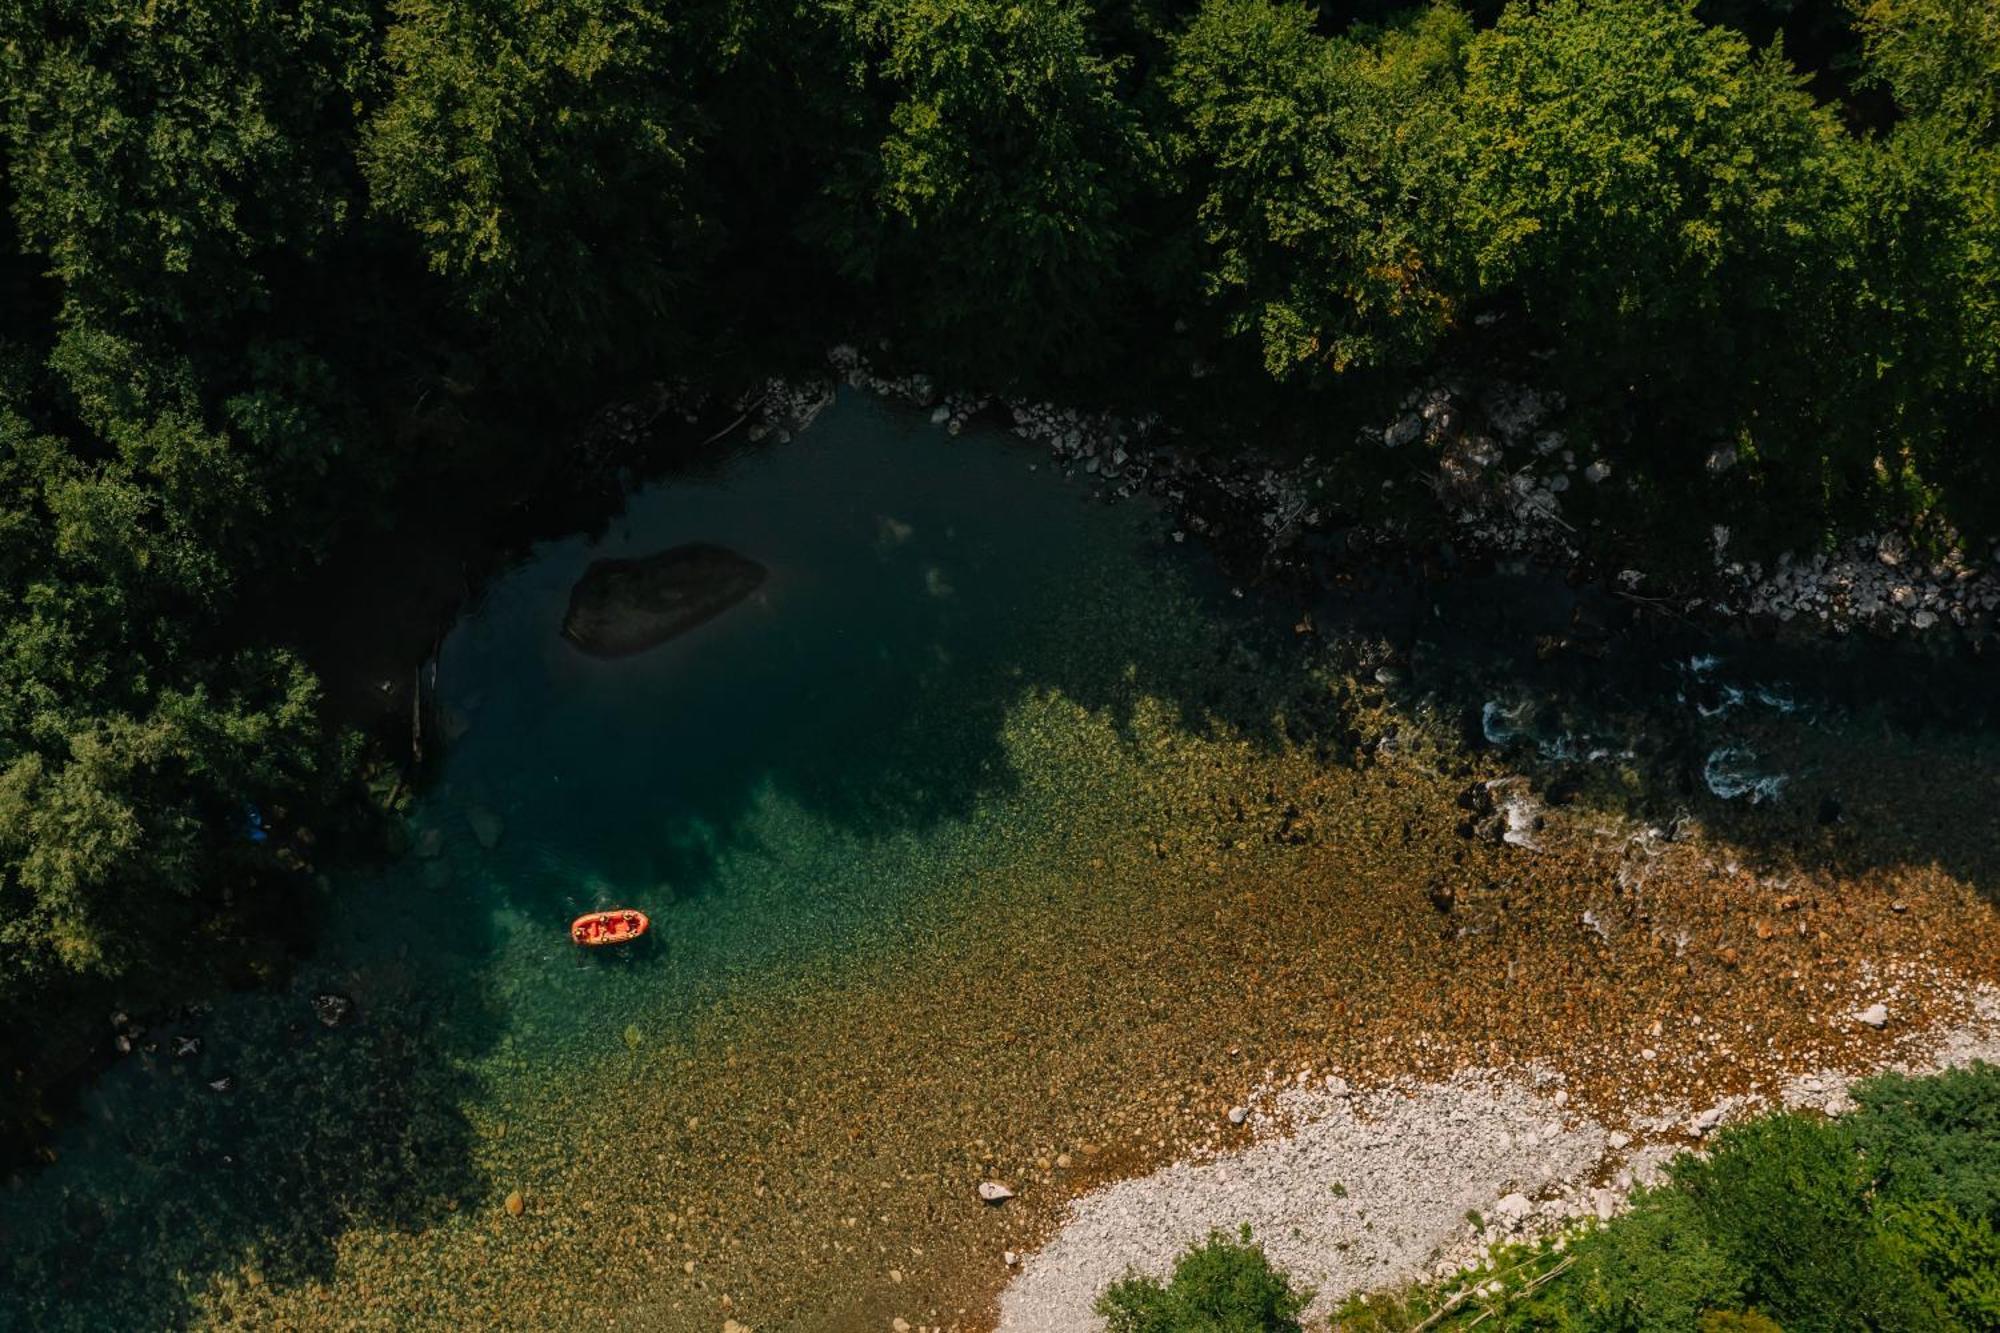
(516, 1204)
(223, 1084)
(1514, 1208)
(992, 1191)
(900, 1324)
(486, 826)
(622, 607)
(1875, 1015)
(1238, 1114)
(1063, 1161)
(1010, 1258)
(1619, 1140)
(1706, 1120)
(332, 1010)
(186, 1047)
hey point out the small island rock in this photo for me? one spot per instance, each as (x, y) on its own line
(621, 607)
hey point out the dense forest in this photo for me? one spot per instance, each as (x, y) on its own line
(283, 276)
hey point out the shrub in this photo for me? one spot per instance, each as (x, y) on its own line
(1786, 1198)
(1934, 1138)
(1219, 1286)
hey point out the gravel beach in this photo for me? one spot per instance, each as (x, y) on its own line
(1352, 1191)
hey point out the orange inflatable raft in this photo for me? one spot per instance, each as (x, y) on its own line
(617, 926)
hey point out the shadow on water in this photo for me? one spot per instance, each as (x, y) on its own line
(246, 1136)
(920, 588)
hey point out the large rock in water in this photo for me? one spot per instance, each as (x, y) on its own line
(621, 607)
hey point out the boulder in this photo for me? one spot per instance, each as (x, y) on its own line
(621, 607)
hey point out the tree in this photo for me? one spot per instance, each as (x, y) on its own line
(991, 215)
(544, 156)
(1668, 204)
(1323, 171)
(127, 756)
(1940, 58)
(1932, 362)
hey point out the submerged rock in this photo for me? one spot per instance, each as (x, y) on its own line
(621, 607)
(992, 1191)
(1505, 810)
(1730, 772)
(332, 1010)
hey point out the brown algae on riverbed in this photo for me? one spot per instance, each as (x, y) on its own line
(1162, 915)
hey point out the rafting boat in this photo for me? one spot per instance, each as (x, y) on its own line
(617, 926)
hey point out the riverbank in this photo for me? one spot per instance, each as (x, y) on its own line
(1474, 467)
(1354, 1190)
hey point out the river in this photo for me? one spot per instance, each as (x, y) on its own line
(996, 837)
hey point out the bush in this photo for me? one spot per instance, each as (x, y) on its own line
(1786, 1198)
(1934, 1138)
(1879, 1221)
(1219, 1286)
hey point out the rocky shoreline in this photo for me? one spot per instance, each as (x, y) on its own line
(1498, 469)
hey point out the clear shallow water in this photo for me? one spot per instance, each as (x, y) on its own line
(951, 837)
(781, 790)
